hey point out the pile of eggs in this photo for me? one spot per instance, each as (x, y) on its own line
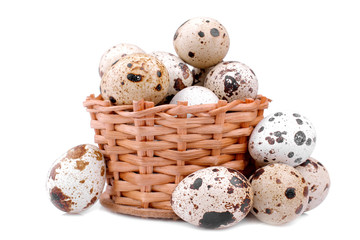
(197, 74)
(287, 181)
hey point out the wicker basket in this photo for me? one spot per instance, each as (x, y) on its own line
(150, 149)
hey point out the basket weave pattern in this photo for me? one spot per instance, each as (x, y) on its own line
(150, 149)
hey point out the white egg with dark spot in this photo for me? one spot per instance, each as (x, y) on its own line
(77, 178)
(195, 95)
(214, 197)
(112, 55)
(232, 80)
(179, 73)
(280, 193)
(282, 138)
(318, 180)
(201, 42)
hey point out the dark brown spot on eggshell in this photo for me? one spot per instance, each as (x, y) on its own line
(230, 85)
(258, 173)
(185, 70)
(290, 193)
(158, 87)
(178, 84)
(112, 99)
(306, 191)
(237, 182)
(298, 210)
(60, 200)
(191, 54)
(214, 32)
(102, 171)
(92, 201)
(216, 219)
(230, 190)
(245, 206)
(268, 211)
(53, 172)
(197, 184)
(134, 77)
(76, 152)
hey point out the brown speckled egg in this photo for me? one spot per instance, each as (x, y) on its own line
(76, 179)
(214, 197)
(135, 77)
(280, 193)
(201, 42)
(114, 54)
(179, 72)
(232, 80)
(318, 179)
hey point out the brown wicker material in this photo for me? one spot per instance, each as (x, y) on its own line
(149, 150)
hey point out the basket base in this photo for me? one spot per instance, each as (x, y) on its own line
(108, 203)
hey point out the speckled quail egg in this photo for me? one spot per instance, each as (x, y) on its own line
(318, 180)
(280, 193)
(199, 75)
(232, 80)
(283, 137)
(214, 197)
(113, 54)
(195, 95)
(201, 42)
(76, 179)
(179, 72)
(134, 77)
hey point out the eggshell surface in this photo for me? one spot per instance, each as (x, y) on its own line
(214, 197)
(201, 42)
(179, 73)
(113, 54)
(282, 137)
(135, 77)
(232, 80)
(280, 193)
(318, 179)
(76, 179)
(195, 95)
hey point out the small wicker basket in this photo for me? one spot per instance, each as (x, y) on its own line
(150, 149)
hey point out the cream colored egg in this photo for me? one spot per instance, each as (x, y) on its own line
(113, 54)
(77, 178)
(318, 179)
(201, 42)
(135, 77)
(214, 197)
(232, 80)
(280, 193)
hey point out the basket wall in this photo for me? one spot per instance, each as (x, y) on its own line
(149, 150)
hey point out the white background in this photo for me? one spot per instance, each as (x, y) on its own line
(304, 53)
